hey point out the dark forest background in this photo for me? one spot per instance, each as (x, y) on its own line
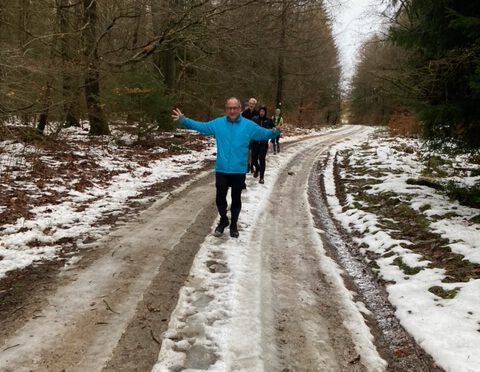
(423, 73)
(64, 61)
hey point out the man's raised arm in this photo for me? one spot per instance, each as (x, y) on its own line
(202, 127)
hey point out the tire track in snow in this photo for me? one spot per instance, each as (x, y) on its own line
(309, 319)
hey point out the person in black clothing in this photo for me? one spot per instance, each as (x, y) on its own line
(260, 148)
(249, 113)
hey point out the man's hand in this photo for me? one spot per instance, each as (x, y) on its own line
(177, 114)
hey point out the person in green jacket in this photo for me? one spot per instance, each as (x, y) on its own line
(277, 123)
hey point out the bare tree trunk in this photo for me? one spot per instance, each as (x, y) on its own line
(23, 23)
(96, 116)
(169, 65)
(2, 68)
(138, 14)
(70, 119)
(166, 60)
(47, 90)
(47, 101)
(281, 54)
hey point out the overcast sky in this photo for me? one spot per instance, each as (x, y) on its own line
(353, 22)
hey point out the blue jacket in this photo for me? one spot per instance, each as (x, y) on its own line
(232, 140)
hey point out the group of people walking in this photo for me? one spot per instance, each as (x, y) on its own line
(259, 149)
(242, 142)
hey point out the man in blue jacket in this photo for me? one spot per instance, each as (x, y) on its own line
(233, 134)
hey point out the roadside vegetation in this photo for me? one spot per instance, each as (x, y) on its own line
(401, 215)
(362, 173)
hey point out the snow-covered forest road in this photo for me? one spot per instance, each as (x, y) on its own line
(272, 300)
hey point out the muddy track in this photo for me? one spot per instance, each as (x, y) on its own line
(82, 324)
(291, 261)
(304, 316)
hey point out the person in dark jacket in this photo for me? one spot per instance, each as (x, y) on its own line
(233, 134)
(260, 147)
(250, 112)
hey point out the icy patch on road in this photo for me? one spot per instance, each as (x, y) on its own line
(218, 309)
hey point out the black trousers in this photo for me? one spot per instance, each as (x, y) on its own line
(236, 182)
(259, 153)
(276, 144)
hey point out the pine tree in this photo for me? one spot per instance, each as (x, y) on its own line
(445, 38)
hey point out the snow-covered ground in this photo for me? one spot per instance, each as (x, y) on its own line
(76, 215)
(449, 329)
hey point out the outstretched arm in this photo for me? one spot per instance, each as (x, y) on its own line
(263, 134)
(204, 128)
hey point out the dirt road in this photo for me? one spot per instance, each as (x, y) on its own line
(139, 269)
(304, 306)
(108, 312)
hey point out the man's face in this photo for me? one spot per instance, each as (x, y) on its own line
(251, 105)
(232, 109)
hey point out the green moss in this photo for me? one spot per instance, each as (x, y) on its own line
(423, 181)
(389, 254)
(434, 166)
(365, 146)
(405, 268)
(446, 294)
(475, 172)
(465, 196)
(178, 149)
(445, 216)
(357, 205)
(405, 212)
(426, 207)
(388, 224)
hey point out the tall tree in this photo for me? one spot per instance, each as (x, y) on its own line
(98, 122)
(281, 51)
(201, 51)
(445, 38)
(67, 42)
(381, 85)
